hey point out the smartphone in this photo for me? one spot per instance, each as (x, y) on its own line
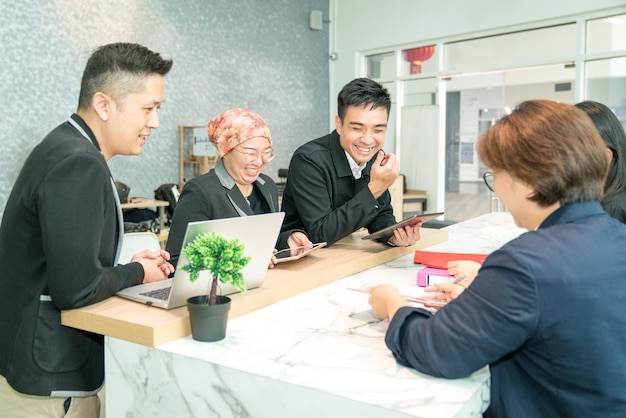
(285, 255)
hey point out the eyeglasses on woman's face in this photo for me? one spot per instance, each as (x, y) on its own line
(252, 155)
(488, 177)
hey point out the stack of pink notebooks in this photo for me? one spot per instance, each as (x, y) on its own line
(429, 275)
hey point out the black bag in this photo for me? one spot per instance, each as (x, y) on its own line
(141, 220)
(170, 193)
(143, 226)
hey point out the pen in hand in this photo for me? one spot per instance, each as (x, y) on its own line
(458, 279)
(408, 298)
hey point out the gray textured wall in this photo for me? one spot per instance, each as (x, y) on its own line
(227, 53)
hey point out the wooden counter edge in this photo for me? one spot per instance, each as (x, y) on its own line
(135, 322)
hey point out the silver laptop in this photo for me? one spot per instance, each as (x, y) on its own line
(258, 233)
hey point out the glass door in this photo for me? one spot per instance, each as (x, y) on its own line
(473, 104)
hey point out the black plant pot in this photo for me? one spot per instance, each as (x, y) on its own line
(208, 322)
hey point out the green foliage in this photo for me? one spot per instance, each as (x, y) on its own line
(222, 257)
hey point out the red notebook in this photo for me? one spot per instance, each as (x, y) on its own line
(440, 260)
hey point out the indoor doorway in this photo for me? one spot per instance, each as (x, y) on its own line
(473, 104)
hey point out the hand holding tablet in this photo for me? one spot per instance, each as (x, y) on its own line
(413, 220)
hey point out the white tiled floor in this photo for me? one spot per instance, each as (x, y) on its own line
(463, 206)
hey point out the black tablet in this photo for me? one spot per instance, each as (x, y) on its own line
(285, 255)
(413, 220)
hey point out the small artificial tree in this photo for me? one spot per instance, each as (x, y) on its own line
(222, 257)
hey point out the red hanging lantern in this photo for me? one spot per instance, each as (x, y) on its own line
(417, 56)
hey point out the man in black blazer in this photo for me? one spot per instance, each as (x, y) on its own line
(61, 234)
(339, 183)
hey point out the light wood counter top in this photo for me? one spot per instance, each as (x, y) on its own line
(151, 326)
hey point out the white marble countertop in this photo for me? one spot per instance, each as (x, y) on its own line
(482, 235)
(328, 340)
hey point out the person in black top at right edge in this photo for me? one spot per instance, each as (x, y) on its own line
(612, 132)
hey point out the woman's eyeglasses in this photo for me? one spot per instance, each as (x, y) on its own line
(488, 178)
(251, 156)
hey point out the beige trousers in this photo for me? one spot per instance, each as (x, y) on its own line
(18, 405)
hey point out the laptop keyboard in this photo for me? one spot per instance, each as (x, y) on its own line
(161, 294)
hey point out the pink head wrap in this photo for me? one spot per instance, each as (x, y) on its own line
(235, 126)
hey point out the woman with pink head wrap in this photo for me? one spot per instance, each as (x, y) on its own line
(236, 186)
(235, 126)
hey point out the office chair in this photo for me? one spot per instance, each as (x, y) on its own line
(282, 176)
(135, 242)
